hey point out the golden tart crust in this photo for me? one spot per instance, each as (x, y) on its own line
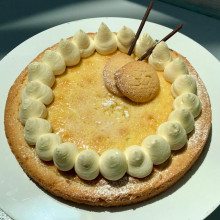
(101, 192)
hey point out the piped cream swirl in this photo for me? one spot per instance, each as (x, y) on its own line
(85, 43)
(184, 84)
(34, 128)
(157, 148)
(87, 164)
(55, 61)
(105, 40)
(31, 108)
(113, 164)
(46, 145)
(173, 133)
(143, 43)
(189, 101)
(39, 91)
(175, 69)
(125, 38)
(160, 56)
(69, 51)
(184, 117)
(64, 156)
(139, 163)
(38, 71)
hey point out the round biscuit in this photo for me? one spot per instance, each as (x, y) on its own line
(113, 64)
(138, 81)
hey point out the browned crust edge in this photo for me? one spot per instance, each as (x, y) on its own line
(101, 192)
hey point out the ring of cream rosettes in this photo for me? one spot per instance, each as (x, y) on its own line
(112, 164)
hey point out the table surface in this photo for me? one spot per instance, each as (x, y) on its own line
(22, 19)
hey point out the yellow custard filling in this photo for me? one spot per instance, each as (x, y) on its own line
(86, 113)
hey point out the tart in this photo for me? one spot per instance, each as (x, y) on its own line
(82, 110)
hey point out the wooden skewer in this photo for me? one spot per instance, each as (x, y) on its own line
(140, 27)
(149, 51)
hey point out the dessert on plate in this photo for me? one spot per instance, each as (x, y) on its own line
(93, 125)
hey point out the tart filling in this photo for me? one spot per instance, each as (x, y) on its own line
(136, 159)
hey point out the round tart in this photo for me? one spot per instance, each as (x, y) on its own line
(86, 113)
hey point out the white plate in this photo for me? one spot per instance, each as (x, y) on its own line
(195, 196)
